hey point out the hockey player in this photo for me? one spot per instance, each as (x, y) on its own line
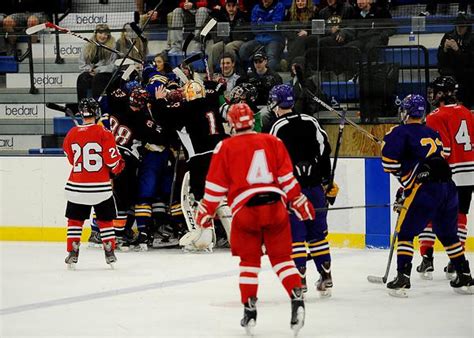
(455, 125)
(413, 153)
(255, 172)
(312, 168)
(93, 153)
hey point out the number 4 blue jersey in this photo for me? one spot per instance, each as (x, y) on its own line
(405, 147)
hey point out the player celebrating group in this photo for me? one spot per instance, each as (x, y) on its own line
(413, 153)
(92, 152)
(455, 125)
(255, 172)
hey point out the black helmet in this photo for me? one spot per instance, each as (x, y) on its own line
(246, 92)
(443, 89)
(89, 107)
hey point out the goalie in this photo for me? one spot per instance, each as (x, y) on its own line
(255, 172)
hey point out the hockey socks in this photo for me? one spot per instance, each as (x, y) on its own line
(288, 274)
(107, 233)
(74, 232)
(248, 280)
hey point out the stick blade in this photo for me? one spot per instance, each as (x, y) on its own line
(36, 29)
(376, 279)
(207, 28)
(193, 58)
(179, 73)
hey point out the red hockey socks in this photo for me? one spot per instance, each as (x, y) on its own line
(287, 272)
(74, 232)
(248, 280)
(107, 232)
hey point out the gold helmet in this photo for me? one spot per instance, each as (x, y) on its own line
(193, 90)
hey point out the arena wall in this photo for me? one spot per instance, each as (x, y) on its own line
(32, 202)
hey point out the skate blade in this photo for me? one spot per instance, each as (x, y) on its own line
(398, 293)
(450, 275)
(375, 279)
(325, 293)
(141, 247)
(464, 290)
(112, 265)
(250, 328)
(299, 321)
(428, 275)
(71, 266)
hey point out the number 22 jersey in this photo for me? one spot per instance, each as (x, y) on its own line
(93, 153)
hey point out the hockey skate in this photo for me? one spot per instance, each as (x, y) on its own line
(95, 241)
(324, 284)
(401, 283)
(250, 316)
(73, 256)
(164, 238)
(109, 254)
(141, 242)
(302, 272)
(426, 268)
(463, 283)
(297, 310)
(449, 271)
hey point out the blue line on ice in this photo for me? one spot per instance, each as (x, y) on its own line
(117, 292)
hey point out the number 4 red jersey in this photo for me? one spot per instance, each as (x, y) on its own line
(92, 152)
(455, 124)
(248, 164)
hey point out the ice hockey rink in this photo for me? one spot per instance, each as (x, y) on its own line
(168, 293)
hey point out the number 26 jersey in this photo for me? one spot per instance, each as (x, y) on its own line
(93, 153)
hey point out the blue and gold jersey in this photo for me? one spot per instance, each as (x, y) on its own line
(405, 147)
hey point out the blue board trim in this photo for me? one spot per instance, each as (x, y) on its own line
(377, 191)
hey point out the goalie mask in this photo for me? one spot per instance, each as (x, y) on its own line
(245, 92)
(442, 89)
(139, 98)
(412, 105)
(88, 107)
(240, 116)
(194, 90)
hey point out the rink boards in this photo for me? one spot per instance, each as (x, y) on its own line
(32, 202)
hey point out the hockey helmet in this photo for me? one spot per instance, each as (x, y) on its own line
(89, 107)
(194, 90)
(245, 92)
(139, 98)
(412, 105)
(282, 96)
(240, 116)
(442, 89)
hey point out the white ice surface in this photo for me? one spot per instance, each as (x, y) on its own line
(166, 293)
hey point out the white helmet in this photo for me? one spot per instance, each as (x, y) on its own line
(193, 90)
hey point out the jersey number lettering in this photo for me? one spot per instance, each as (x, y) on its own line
(463, 137)
(427, 141)
(122, 133)
(258, 171)
(211, 120)
(91, 158)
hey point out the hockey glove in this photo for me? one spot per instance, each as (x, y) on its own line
(118, 168)
(399, 199)
(302, 208)
(331, 193)
(203, 218)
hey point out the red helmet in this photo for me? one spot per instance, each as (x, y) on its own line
(139, 98)
(240, 116)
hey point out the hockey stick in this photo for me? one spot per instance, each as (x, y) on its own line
(186, 203)
(204, 32)
(331, 200)
(45, 25)
(173, 183)
(352, 123)
(186, 43)
(383, 279)
(179, 73)
(388, 205)
(65, 110)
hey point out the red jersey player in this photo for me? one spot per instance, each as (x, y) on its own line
(255, 172)
(455, 125)
(92, 152)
